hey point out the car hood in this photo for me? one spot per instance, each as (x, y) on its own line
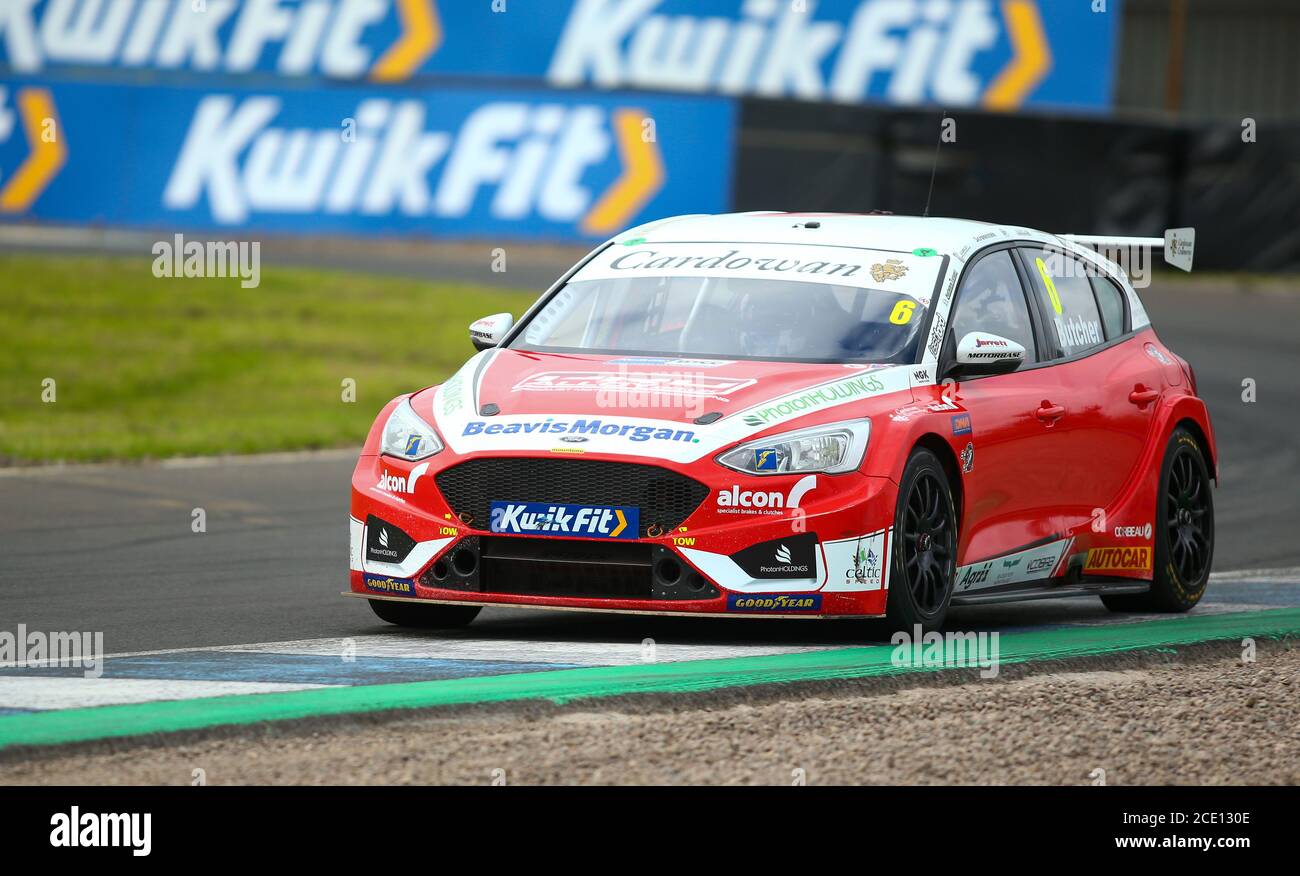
(673, 408)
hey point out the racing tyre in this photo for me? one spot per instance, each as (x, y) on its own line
(425, 617)
(925, 546)
(1183, 532)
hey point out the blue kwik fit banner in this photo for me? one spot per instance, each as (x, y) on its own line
(461, 162)
(994, 54)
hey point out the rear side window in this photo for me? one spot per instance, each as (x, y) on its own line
(1061, 282)
(1111, 302)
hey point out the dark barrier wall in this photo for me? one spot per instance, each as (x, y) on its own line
(1246, 197)
(1063, 175)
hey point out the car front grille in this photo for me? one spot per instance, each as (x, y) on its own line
(542, 567)
(665, 498)
(588, 569)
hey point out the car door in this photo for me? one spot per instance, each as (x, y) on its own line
(1010, 475)
(1109, 383)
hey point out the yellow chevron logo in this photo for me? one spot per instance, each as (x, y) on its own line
(46, 158)
(421, 36)
(641, 179)
(622, 523)
(1031, 57)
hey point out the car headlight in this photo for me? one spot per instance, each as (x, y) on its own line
(407, 436)
(834, 448)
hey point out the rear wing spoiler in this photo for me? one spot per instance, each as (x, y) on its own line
(1178, 244)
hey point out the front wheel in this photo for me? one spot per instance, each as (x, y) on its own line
(1183, 532)
(925, 546)
(424, 617)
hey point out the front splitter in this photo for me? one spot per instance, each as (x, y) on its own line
(528, 605)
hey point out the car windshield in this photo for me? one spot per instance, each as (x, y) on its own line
(790, 302)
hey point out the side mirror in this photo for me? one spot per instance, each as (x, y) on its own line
(487, 332)
(981, 353)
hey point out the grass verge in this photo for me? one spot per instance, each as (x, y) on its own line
(146, 367)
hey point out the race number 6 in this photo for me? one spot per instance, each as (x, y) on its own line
(902, 313)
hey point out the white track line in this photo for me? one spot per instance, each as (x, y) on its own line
(398, 645)
(1290, 575)
(520, 650)
(46, 694)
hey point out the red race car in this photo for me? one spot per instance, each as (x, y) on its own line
(776, 414)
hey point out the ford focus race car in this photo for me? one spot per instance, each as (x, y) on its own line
(791, 415)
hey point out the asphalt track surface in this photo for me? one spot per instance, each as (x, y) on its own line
(110, 548)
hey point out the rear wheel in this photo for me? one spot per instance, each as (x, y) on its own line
(425, 617)
(925, 546)
(1183, 532)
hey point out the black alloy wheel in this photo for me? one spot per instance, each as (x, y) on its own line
(925, 539)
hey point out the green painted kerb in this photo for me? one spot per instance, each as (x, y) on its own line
(560, 686)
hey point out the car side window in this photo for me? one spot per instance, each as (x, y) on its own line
(992, 300)
(1061, 283)
(1111, 302)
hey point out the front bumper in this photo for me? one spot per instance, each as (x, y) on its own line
(419, 534)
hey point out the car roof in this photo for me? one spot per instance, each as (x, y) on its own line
(869, 230)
